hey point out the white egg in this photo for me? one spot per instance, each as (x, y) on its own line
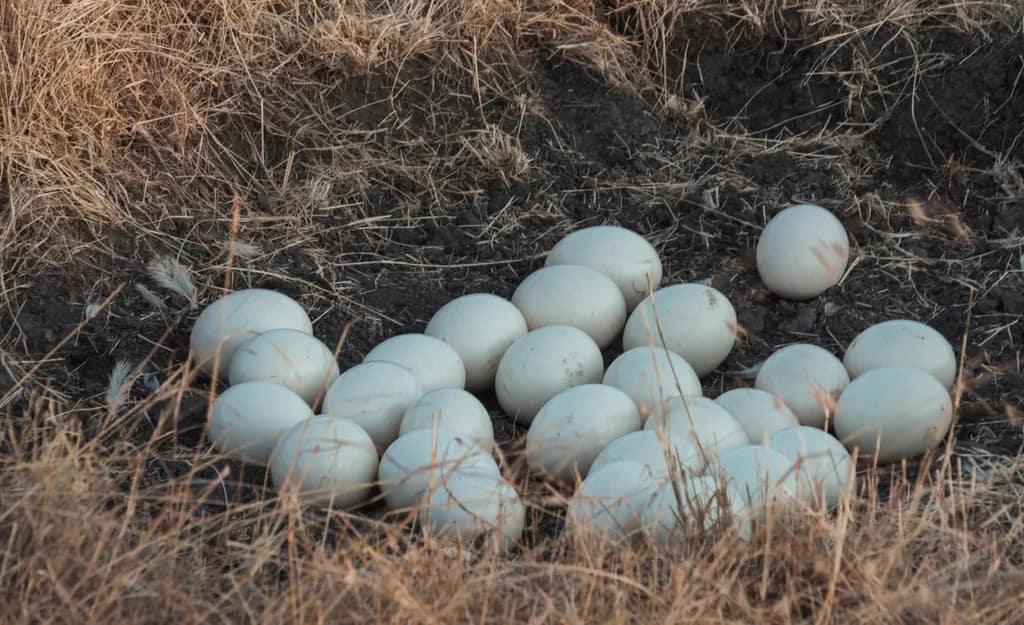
(332, 462)
(711, 427)
(421, 458)
(290, 358)
(902, 342)
(247, 419)
(480, 327)
(893, 413)
(609, 504)
(375, 395)
(652, 375)
(756, 477)
(696, 321)
(541, 365)
(434, 363)
(664, 452)
(575, 425)
(622, 255)
(807, 378)
(760, 413)
(802, 251)
(451, 409)
(230, 321)
(572, 295)
(677, 510)
(469, 504)
(823, 464)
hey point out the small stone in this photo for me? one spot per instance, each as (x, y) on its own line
(1012, 301)
(804, 321)
(753, 320)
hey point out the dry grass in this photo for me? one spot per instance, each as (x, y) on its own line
(94, 531)
(141, 115)
(148, 119)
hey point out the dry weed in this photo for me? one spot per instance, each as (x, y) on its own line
(97, 532)
(118, 114)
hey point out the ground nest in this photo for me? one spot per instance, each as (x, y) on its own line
(376, 160)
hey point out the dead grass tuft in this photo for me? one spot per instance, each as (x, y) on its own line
(498, 154)
(92, 534)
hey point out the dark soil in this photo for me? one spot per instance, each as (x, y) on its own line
(949, 141)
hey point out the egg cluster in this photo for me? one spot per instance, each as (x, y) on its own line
(639, 441)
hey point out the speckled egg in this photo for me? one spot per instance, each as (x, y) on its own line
(696, 321)
(541, 365)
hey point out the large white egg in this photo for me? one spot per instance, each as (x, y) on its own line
(823, 464)
(421, 458)
(663, 451)
(760, 413)
(451, 409)
(434, 363)
(230, 321)
(755, 477)
(807, 378)
(291, 358)
(572, 295)
(480, 327)
(696, 321)
(622, 255)
(902, 342)
(892, 413)
(572, 428)
(469, 504)
(609, 504)
(375, 395)
(802, 251)
(541, 365)
(709, 425)
(332, 462)
(652, 375)
(247, 419)
(692, 504)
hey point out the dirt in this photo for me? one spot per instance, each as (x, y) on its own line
(602, 156)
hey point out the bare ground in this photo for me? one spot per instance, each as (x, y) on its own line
(375, 160)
